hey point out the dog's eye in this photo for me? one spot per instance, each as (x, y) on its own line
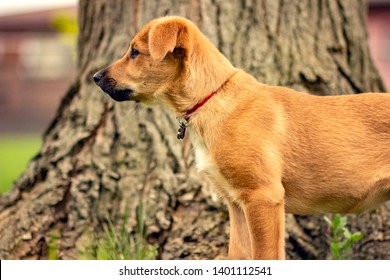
(134, 53)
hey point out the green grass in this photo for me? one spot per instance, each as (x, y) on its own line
(118, 244)
(16, 150)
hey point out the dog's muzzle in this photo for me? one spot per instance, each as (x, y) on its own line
(108, 86)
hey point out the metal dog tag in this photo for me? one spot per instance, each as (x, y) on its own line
(181, 132)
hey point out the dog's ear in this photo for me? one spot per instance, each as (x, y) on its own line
(164, 37)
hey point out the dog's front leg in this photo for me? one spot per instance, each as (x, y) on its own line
(239, 243)
(265, 217)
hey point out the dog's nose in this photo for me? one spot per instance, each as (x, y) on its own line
(97, 77)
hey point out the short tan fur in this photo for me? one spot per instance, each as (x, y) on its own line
(268, 150)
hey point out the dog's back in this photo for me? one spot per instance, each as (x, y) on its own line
(338, 148)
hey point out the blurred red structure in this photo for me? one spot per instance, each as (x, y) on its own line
(37, 65)
(379, 37)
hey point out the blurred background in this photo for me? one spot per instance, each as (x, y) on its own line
(37, 65)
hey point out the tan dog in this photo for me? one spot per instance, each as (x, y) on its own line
(268, 150)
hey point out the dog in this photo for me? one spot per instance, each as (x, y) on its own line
(268, 150)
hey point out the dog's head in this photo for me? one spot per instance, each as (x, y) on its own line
(152, 68)
(169, 62)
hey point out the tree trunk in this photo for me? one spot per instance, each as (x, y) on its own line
(101, 159)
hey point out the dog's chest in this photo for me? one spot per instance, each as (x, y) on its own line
(206, 164)
(203, 160)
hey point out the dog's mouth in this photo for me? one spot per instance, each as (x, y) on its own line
(119, 95)
(108, 85)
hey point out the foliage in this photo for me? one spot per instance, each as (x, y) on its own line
(16, 151)
(65, 22)
(119, 245)
(53, 245)
(341, 239)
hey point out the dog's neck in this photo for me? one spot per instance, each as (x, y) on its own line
(189, 113)
(186, 118)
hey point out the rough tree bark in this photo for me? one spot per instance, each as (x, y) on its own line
(99, 158)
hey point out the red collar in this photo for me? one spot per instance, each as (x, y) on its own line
(199, 105)
(183, 125)
(188, 114)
